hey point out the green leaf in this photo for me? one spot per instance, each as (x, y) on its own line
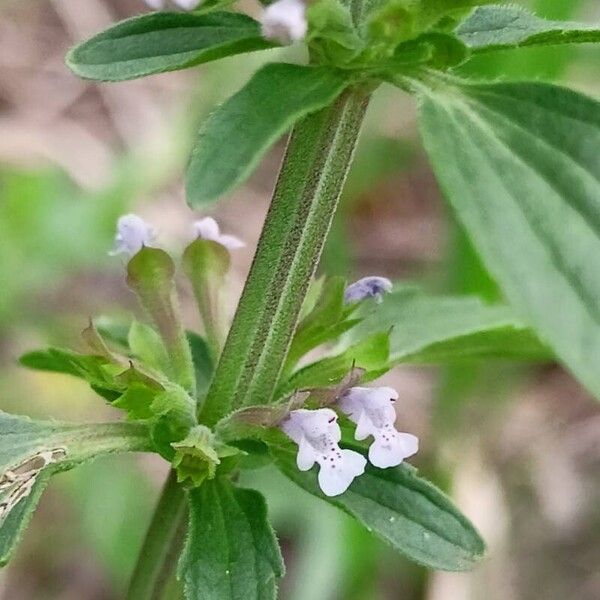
(370, 354)
(504, 27)
(96, 370)
(15, 523)
(159, 42)
(32, 450)
(21, 438)
(436, 49)
(331, 33)
(145, 344)
(231, 551)
(235, 137)
(443, 329)
(519, 163)
(137, 401)
(325, 322)
(407, 512)
(203, 362)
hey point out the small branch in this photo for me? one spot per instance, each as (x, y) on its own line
(156, 557)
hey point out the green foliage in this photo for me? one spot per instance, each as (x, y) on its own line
(518, 162)
(236, 136)
(15, 522)
(203, 362)
(503, 27)
(328, 319)
(100, 373)
(440, 329)
(160, 42)
(371, 355)
(146, 345)
(407, 512)
(332, 36)
(22, 438)
(30, 451)
(231, 551)
(435, 49)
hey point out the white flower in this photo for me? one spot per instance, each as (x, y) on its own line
(183, 4)
(208, 229)
(133, 233)
(284, 21)
(317, 434)
(368, 287)
(372, 409)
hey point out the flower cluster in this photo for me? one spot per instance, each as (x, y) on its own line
(317, 434)
(133, 233)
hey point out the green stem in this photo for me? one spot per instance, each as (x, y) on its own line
(155, 560)
(318, 156)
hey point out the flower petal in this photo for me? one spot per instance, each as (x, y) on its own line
(335, 478)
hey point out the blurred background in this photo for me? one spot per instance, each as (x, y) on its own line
(517, 447)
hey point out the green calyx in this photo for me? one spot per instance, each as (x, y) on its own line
(199, 454)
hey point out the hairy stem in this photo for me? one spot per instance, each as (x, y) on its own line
(156, 558)
(317, 159)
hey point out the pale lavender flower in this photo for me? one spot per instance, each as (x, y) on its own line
(372, 409)
(317, 434)
(368, 287)
(183, 4)
(133, 233)
(284, 21)
(208, 229)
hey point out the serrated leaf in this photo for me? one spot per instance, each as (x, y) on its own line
(231, 551)
(404, 510)
(520, 165)
(444, 329)
(236, 136)
(503, 27)
(163, 41)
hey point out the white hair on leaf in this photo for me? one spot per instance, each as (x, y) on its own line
(372, 410)
(317, 434)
